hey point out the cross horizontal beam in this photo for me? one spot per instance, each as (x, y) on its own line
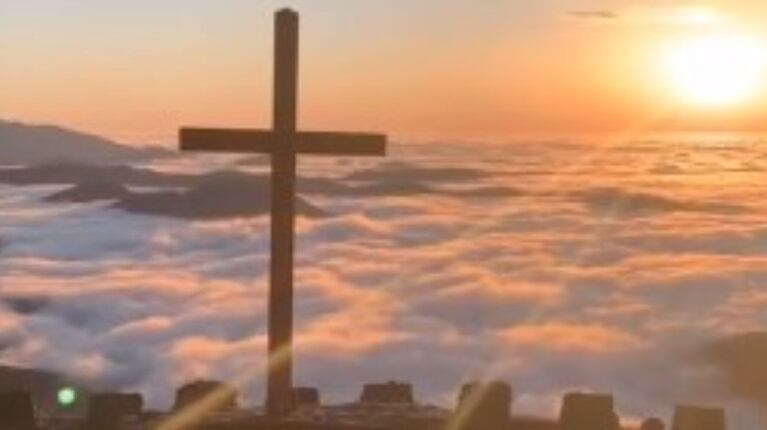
(268, 142)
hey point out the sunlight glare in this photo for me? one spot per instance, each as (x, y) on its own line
(717, 69)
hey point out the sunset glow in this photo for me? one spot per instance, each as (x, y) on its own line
(468, 70)
(431, 214)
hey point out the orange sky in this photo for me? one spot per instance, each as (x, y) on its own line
(135, 71)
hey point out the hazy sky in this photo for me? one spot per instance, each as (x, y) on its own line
(137, 70)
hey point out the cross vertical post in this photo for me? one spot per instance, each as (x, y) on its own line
(279, 384)
(282, 143)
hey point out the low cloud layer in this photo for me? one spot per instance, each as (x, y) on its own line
(589, 276)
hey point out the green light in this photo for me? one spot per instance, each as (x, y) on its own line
(67, 396)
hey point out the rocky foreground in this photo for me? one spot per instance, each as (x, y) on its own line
(211, 405)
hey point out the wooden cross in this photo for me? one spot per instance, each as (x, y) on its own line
(283, 143)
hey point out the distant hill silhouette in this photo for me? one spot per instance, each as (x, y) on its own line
(28, 144)
(357, 184)
(221, 194)
(80, 173)
(91, 191)
(214, 198)
(216, 195)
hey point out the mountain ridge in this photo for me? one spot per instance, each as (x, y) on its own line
(22, 143)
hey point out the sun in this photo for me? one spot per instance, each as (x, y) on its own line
(717, 70)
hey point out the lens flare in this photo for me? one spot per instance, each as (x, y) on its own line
(67, 396)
